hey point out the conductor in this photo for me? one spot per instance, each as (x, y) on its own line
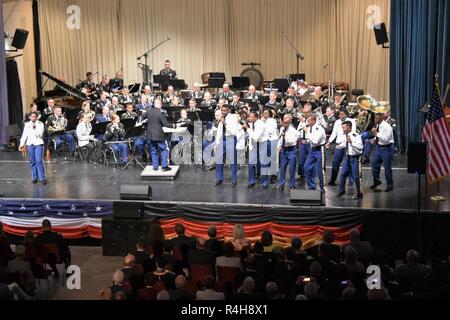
(155, 134)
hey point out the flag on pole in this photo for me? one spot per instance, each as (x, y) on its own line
(437, 134)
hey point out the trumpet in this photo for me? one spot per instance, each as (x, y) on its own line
(319, 116)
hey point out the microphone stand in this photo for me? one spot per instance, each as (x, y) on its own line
(299, 56)
(146, 66)
(330, 84)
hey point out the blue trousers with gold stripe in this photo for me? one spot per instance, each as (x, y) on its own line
(315, 164)
(351, 167)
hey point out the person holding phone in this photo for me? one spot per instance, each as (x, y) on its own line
(32, 137)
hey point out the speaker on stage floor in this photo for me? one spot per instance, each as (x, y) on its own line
(120, 236)
(135, 192)
(417, 158)
(20, 39)
(307, 198)
(128, 210)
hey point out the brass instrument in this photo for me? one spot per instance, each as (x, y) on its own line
(320, 117)
(369, 107)
(337, 106)
(58, 126)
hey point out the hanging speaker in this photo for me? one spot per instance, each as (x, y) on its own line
(381, 34)
(417, 158)
(20, 39)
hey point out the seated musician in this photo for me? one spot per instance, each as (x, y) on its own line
(273, 103)
(85, 139)
(339, 102)
(33, 108)
(115, 105)
(86, 109)
(126, 97)
(102, 102)
(290, 93)
(303, 88)
(193, 106)
(196, 92)
(115, 132)
(49, 110)
(56, 127)
(149, 94)
(236, 104)
(87, 86)
(208, 102)
(176, 102)
(169, 95)
(116, 84)
(130, 114)
(320, 98)
(226, 93)
(185, 122)
(105, 116)
(168, 71)
(252, 94)
(104, 85)
(289, 109)
(143, 105)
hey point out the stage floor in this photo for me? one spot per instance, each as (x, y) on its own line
(75, 180)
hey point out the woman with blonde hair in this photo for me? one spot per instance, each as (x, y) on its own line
(239, 240)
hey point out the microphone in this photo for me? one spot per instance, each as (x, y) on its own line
(325, 66)
(168, 38)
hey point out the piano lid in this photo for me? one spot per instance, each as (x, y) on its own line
(64, 86)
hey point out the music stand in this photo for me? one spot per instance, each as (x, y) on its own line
(216, 82)
(207, 116)
(240, 83)
(177, 84)
(99, 128)
(130, 135)
(281, 84)
(297, 77)
(163, 81)
(134, 88)
(128, 123)
(193, 116)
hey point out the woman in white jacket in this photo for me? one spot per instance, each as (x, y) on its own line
(32, 137)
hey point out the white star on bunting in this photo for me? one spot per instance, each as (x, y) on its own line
(98, 209)
(73, 208)
(23, 207)
(47, 207)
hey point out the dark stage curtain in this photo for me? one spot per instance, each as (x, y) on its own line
(420, 43)
(14, 94)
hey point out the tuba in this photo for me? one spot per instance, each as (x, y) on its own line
(369, 107)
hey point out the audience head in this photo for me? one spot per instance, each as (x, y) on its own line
(258, 247)
(150, 279)
(301, 297)
(266, 239)
(328, 236)
(168, 246)
(315, 268)
(271, 289)
(228, 249)
(179, 229)
(163, 296)
(296, 243)
(130, 260)
(120, 295)
(311, 289)
(248, 286)
(250, 261)
(105, 294)
(350, 255)
(156, 234)
(161, 263)
(212, 232)
(180, 282)
(412, 256)
(118, 277)
(354, 234)
(46, 225)
(140, 244)
(238, 232)
(20, 251)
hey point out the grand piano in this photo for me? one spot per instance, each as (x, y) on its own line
(65, 96)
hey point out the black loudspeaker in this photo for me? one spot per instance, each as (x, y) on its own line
(20, 39)
(417, 158)
(120, 236)
(128, 210)
(135, 192)
(381, 34)
(307, 198)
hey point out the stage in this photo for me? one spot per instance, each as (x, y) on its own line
(79, 181)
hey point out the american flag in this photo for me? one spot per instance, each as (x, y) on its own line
(437, 134)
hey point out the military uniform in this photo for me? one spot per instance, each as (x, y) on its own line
(352, 163)
(114, 133)
(129, 115)
(116, 84)
(56, 127)
(126, 99)
(168, 72)
(384, 153)
(225, 95)
(315, 163)
(197, 95)
(287, 145)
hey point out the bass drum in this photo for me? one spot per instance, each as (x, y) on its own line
(255, 76)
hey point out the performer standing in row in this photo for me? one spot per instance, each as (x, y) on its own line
(384, 152)
(32, 137)
(288, 154)
(353, 147)
(315, 164)
(168, 71)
